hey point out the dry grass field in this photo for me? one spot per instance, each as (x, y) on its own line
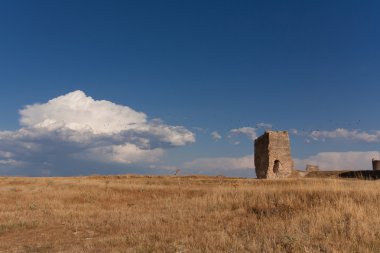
(188, 214)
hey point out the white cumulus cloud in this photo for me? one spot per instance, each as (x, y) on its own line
(341, 133)
(347, 134)
(216, 136)
(76, 127)
(78, 112)
(250, 132)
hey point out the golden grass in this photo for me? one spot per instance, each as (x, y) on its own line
(188, 214)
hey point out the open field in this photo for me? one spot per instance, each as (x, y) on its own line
(188, 214)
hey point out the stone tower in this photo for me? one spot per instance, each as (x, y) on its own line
(272, 155)
(311, 168)
(375, 164)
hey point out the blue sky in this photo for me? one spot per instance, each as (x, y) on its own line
(207, 66)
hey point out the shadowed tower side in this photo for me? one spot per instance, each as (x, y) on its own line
(273, 156)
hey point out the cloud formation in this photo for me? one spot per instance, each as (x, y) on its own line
(264, 125)
(239, 166)
(341, 133)
(232, 166)
(352, 160)
(216, 136)
(222, 163)
(76, 127)
(347, 134)
(250, 132)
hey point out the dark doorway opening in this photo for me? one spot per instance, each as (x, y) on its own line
(276, 166)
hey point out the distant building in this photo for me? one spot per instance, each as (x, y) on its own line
(375, 164)
(311, 168)
(273, 156)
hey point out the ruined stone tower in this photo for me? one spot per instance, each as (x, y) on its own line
(311, 168)
(272, 155)
(375, 164)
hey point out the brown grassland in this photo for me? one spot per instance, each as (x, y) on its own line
(188, 214)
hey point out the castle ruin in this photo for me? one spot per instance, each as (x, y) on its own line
(311, 168)
(375, 164)
(272, 155)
